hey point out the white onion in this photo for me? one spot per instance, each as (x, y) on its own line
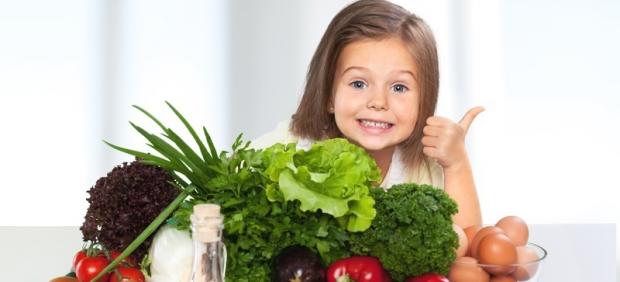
(171, 255)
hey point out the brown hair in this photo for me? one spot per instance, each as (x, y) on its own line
(368, 19)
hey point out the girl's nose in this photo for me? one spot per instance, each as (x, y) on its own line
(378, 101)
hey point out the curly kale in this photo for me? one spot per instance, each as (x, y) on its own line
(123, 204)
(412, 232)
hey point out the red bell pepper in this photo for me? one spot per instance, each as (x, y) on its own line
(428, 277)
(357, 268)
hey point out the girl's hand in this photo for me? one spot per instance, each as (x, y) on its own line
(444, 140)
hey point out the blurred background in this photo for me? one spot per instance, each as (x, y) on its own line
(546, 148)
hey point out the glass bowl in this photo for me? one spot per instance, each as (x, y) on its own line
(531, 258)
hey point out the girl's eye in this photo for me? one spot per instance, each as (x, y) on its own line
(400, 88)
(358, 84)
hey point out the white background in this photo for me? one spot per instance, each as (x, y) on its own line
(546, 149)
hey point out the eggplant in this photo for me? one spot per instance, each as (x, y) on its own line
(298, 264)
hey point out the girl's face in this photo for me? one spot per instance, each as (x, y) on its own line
(376, 97)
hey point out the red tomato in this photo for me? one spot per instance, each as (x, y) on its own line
(429, 277)
(77, 258)
(128, 261)
(127, 274)
(89, 267)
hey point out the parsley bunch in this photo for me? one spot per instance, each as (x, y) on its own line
(256, 231)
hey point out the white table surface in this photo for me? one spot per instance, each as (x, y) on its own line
(577, 252)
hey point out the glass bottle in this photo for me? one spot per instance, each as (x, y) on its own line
(209, 264)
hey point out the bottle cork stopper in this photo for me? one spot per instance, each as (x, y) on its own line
(206, 210)
(208, 221)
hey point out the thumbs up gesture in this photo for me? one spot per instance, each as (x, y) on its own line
(444, 140)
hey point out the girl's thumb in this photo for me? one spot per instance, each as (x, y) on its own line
(469, 116)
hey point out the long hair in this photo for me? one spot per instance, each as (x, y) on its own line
(368, 19)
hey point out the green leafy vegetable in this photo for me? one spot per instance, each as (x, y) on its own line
(332, 176)
(257, 228)
(412, 233)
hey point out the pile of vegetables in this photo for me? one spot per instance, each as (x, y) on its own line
(410, 236)
(282, 201)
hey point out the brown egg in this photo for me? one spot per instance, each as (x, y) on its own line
(463, 244)
(528, 265)
(471, 233)
(503, 278)
(473, 248)
(515, 228)
(499, 251)
(466, 269)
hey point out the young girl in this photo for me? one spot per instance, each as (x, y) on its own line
(374, 80)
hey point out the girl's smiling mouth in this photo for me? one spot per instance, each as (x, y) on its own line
(374, 126)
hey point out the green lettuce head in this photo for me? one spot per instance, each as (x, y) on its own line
(333, 176)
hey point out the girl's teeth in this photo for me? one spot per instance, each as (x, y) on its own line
(375, 124)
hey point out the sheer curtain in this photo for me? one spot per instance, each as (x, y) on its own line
(69, 73)
(50, 128)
